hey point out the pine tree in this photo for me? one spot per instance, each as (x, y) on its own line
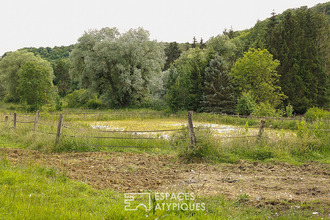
(202, 44)
(272, 35)
(62, 77)
(299, 42)
(218, 90)
(194, 44)
(172, 52)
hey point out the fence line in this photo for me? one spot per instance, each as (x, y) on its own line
(124, 131)
(104, 137)
(241, 136)
(43, 132)
(27, 122)
(112, 146)
(155, 131)
(61, 125)
(46, 124)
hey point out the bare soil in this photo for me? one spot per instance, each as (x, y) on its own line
(269, 184)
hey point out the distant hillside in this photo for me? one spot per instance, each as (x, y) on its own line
(323, 8)
(255, 36)
(51, 54)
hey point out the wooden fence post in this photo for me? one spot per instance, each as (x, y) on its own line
(261, 128)
(36, 120)
(6, 119)
(59, 129)
(191, 128)
(15, 120)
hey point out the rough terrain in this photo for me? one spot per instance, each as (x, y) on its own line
(127, 172)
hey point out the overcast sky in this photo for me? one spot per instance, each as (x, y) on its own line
(36, 23)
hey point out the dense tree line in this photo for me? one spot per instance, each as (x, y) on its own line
(51, 54)
(299, 41)
(278, 64)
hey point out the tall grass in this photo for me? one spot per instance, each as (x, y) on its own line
(309, 142)
(306, 144)
(81, 138)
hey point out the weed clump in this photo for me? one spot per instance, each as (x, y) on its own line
(206, 149)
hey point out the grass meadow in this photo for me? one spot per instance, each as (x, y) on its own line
(31, 191)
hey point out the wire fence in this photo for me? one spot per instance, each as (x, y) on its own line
(151, 113)
(16, 119)
(12, 120)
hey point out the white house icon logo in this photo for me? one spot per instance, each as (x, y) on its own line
(135, 200)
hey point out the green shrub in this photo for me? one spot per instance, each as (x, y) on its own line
(265, 109)
(246, 104)
(317, 113)
(95, 104)
(79, 98)
(206, 149)
(9, 99)
(59, 105)
(289, 110)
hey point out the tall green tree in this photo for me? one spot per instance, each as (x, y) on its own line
(187, 78)
(256, 73)
(300, 41)
(218, 92)
(177, 89)
(172, 52)
(62, 76)
(35, 83)
(272, 37)
(9, 68)
(223, 46)
(194, 43)
(118, 67)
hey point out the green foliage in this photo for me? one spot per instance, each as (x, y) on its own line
(245, 104)
(289, 110)
(218, 92)
(10, 65)
(265, 109)
(205, 150)
(223, 46)
(78, 98)
(177, 90)
(255, 37)
(299, 39)
(186, 79)
(59, 104)
(242, 199)
(317, 113)
(51, 54)
(62, 77)
(35, 83)
(256, 73)
(95, 104)
(172, 52)
(302, 129)
(118, 67)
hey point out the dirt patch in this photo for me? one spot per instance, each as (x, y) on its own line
(128, 172)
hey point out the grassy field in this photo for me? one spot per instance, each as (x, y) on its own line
(38, 190)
